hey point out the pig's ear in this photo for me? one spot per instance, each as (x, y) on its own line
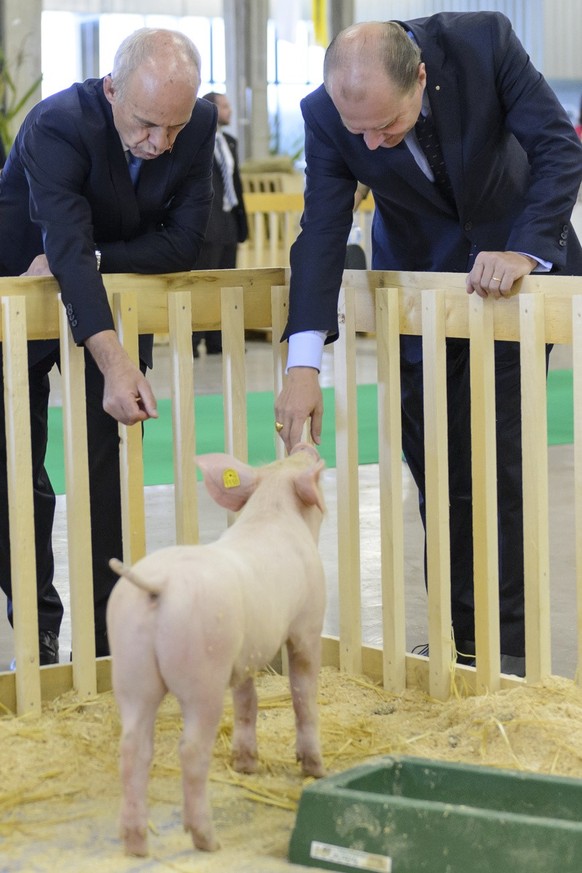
(306, 485)
(229, 481)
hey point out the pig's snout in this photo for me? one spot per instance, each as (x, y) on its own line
(152, 588)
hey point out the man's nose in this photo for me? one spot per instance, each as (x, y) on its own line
(373, 138)
(160, 138)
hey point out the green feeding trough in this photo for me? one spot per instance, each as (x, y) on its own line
(410, 815)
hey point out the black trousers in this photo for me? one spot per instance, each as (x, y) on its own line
(105, 498)
(509, 482)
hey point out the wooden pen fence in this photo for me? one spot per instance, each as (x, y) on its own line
(384, 304)
(274, 218)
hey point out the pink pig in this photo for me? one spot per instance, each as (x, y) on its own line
(195, 620)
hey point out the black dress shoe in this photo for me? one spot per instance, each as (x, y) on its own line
(48, 648)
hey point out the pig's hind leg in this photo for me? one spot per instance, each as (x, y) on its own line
(244, 734)
(304, 663)
(202, 712)
(138, 707)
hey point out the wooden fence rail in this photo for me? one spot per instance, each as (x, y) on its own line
(386, 304)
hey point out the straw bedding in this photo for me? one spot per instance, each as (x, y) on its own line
(60, 791)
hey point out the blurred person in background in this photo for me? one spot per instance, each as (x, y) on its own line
(228, 225)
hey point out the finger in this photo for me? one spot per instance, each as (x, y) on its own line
(316, 426)
(494, 285)
(474, 280)
(295, 433)
(147, 402)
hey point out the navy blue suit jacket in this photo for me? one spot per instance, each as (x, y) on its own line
(65, 190)
(512, 155)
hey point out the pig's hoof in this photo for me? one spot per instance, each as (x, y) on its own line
(135, 843)
(245, 762)
(205, 842)
(312, 765)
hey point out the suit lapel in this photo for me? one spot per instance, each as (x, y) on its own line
(443, 94)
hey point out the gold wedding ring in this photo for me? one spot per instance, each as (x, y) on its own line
(278, 426)
(495, 279)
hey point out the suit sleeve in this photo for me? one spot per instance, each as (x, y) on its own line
(318, 255)
(539, 123)
(56, 168)
(58, 163)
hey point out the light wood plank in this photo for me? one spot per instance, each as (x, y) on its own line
(78, 511)
(535, 489)
(131, 445)
(280, 310)
(347, 484)
(183, 417)
(20, 502)
(577, 398)
(437, 492)
(484, 472)
(234, 377)
(233, 373)
(391, 499)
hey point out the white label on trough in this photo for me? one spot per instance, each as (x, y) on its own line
(351, 857)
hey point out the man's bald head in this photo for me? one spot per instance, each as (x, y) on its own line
(166, 55)
(370, 47)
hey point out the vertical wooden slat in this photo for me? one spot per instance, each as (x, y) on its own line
(233, 372)
(484, 472)
(183, 416)
(348, 514)
(20, 502)
(437, 492)
(273, 218)
(577, 398)
(535, 487)
(279, 312)
(391, 504)
(243, 255)
(258, 254)
(289, 235)
(78, 510)
(131, 446)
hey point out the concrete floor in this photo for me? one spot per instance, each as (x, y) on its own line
(160, 519)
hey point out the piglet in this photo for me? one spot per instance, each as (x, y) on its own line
(196, 619)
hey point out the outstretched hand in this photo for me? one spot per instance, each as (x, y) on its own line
(299, 399)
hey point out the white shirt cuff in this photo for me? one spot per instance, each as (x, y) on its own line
(306, 349)
(543, 266)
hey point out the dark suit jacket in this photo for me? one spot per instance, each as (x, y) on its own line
(66, 190)
(220, 228)
(512, 154)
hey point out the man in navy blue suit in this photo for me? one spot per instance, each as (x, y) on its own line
(70, 207)
(496, 205)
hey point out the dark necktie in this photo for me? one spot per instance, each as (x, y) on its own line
(134, 165)
(428, 141)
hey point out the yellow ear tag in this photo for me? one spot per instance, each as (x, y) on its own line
(230, 478)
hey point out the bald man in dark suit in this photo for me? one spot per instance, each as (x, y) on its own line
(70, 207)
(495, 205)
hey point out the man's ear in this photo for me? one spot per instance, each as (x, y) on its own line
(108, 89)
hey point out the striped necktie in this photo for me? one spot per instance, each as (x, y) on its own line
(230, 197)
(428, 141)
